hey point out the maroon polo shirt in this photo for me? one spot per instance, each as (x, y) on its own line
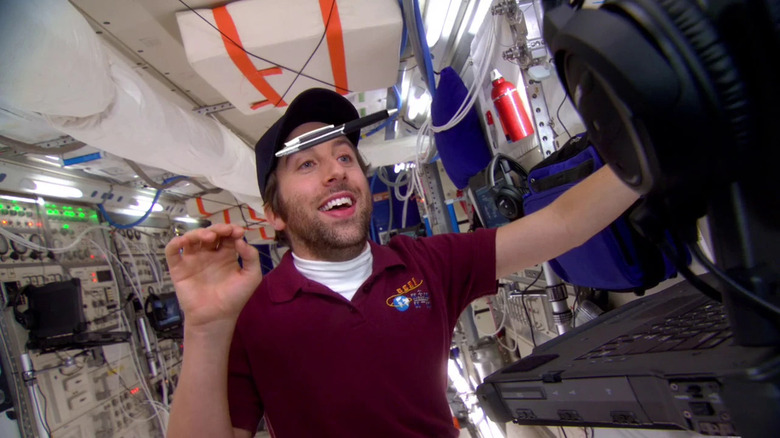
(317, 364)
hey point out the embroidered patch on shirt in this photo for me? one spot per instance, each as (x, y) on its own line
(409, 294)
(421, 299)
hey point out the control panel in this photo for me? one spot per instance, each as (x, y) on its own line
(115, 377)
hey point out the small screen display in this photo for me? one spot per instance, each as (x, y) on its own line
(166, 312)
(103, 276)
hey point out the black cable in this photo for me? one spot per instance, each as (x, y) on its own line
(563, 432)
(558, 115)
(683, 269)
(538, 276)
(415, 127)
(528, 318)
(121, 308)
(768, 309)
(525, 308)
(300, 73)
(43, 414)
(324, 33)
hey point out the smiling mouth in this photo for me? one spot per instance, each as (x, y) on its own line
(340, 203)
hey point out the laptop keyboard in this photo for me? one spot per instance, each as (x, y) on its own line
(700, 328)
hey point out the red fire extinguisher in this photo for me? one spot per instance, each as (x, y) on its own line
(511, 112)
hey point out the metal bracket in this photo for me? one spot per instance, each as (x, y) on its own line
(434, 199)
(214, 108)
(526, 52)
(541, 115)
(57, 142)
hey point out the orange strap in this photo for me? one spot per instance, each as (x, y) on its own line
(253, 215)
(262, 233)
(226, 216)
(201, 208)
(335, 37)
(240, 58)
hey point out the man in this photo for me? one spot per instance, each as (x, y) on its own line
(344, 337)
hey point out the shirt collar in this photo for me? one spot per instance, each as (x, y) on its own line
(288, 281)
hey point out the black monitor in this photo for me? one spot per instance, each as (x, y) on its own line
(54, 309)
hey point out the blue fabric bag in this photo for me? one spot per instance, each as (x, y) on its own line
(463, 149)
(615, 259)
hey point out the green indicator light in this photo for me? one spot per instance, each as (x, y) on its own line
(69, 214)
(67, 207)
(65, 226)
(14, 202)
(81, 214)
(17, 208)
(50, 212)
(81, 209)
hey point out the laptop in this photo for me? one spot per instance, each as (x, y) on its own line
(665, 361)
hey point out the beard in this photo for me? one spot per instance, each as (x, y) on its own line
(338, 241)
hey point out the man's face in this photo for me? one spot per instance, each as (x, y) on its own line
(324, 199)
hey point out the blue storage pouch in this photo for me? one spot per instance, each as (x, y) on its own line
(463, 149)
(615, 259)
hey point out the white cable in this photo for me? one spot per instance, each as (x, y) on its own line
(508, 348)
(471, 95)
(41, 412)
(500, 326)
(137, 291)
(144, 386)
(35, 247)
(121, 265)
(403, 212)
(407, 182)
(156, 269)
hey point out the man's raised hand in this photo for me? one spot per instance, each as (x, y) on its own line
(211, 286)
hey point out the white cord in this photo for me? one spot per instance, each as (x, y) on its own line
(135, 266)
(503, 318)
(35, 247)
(162, 422)
(121, 265)
(471, 95)
(508, 348)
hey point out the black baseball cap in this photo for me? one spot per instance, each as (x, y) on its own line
(313, 105)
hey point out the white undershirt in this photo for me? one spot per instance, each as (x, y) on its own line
(342, 277)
